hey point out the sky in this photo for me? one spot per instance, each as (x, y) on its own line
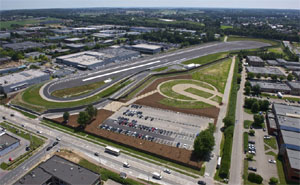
(36, 4)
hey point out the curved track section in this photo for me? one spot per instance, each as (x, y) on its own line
(124, 70)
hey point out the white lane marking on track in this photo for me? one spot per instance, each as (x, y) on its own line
(119, 71)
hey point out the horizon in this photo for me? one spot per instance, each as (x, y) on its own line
(81, 4)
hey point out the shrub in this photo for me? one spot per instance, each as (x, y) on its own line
(228, 121)
(258, 120)
(273, 180)
(252, 177)
(255, 107)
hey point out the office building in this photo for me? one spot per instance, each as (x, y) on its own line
(255, 61)
(272, 87)
(7, 143)
(265, 71)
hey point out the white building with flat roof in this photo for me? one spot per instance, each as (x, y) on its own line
(17, 81)
(147, 48)
(94, 59)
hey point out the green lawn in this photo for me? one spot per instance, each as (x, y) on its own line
(215, 74)
(77, 91)
(277, 50)
(31, 98)
(207, 58)
(184, 104)
(266, 147)
(238, 38)
(161, 69)
(245, 135)
(199, 92)
(271, 142)
(217, 99)
(166, 88)
(276, 97)
(248, 111)
(247, 124)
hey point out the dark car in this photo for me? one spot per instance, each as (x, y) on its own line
(55, 143)
(251, 142)
(201, 182)
(252, 169)
(3, 117)
(96, 154)
(49, 148)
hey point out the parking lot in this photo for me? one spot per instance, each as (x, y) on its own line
(157, 125)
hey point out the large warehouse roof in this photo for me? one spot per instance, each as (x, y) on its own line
(147, 46)
(265, 70)
(270, 85)
(20, 77)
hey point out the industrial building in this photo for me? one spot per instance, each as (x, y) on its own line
(272, 63)
(144, 29)
(295, 87)
(16, 81)
(34, 54)
(94, 59)
(284, 122)
(147, 48)
(21, 46)
(272, 87)
(297, 74)
(265, 71)
(255, 61)
(7, 143)
(57, 171)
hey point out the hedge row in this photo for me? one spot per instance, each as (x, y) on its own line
(228, 133)
(245, 141)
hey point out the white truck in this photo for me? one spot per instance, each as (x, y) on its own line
(279, 94)
(156, 175)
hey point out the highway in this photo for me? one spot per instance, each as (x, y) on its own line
(139, 168)
(123, 70)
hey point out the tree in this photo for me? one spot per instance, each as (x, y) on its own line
(247, 83)
(255, 107)
(273, 180)
(83, 118)
(250, 75)
(204, 143)
(274, 77)
(228, 121)
(92, 112)
(66, 116)
(264, 105)
(258, 75)
(281, 78)
(256, 89)
(247, 90)
(258, 120)
(249, 157)
(252, 177)
(290, 77)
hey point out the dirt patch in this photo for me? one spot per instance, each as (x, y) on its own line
(153, 101)
(69, 156)
(101, 116)
(11, 64)
(153, 85)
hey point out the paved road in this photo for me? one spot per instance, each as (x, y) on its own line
(236, 165)
(140, 168)
(211, 165)
(145, 63)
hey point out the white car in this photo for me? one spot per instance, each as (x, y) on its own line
(126, 165)
(272, 161)
(267, 137)
(39, 132)
(167, 171)
(185, 146)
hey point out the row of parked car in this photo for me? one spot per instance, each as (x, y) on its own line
(134, 124)
(127, 132)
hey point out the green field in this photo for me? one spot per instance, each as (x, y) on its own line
(277, 50)
(217, 99)
(77, 91)
(207, 58)
(271, 142)
(223, 27)
(183, 104)
(247, 124)
(239, 38)
(161, 69)
(215, 74)
(166, 88)
(8, 24)
(199, 92)
(31, 98)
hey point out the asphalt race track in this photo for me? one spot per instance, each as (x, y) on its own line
(141, 64)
